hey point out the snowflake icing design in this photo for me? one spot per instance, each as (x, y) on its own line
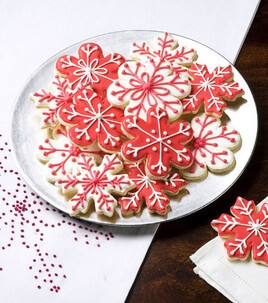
(49, 102)
(149, 190)
(247, 230)
(90, 68)
(96, 183)
(93, 119)
(27, 220)
(165, 47)
(60, 156)
(143, 85)
(161, 143)
(211, 89)
(212, 147)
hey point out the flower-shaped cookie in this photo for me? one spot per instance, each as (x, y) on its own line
(49, 102)
(211, 147)
(211, 89)
(90, 68)
(149, 190)
(157, 141)
(143, 85)
(92, 119)
(165, 47)
(96, 183)
(60, 156)
(247, 231)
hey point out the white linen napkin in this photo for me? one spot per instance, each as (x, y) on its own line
(46, 256)
(239, 281)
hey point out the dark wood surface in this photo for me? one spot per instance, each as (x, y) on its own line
(167, 272)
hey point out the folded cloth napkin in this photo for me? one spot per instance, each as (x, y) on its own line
(239, 281)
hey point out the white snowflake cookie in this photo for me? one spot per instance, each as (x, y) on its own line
(96, 183)
(143, 85)
(48, 102)
(212, 147)
(60, 156)
(165, 47)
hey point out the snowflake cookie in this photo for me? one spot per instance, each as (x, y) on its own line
(165, 47)
(247, 231)
(96, 183)
(211, 89)
(149, 190)
(211, 147)
(61, 156)
(143, 85)
(49, 102)
(92, 119)
(90, 68)
(157, 141)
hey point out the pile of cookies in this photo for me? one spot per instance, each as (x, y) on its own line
(116, 127)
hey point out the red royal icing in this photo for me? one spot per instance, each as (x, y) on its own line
(211, 89)
(92, 118)
(247, 231)
(157, 141)
(90, 68)
(149, 190)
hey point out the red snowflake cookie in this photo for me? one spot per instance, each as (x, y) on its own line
(211, 147)
(157, 141)
(49, 102)
(149, 190)
(247, 231)
(96, 183)
(90, 68)
(92, 118)
(211, 89)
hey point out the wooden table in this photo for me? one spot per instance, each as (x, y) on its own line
(167, 272)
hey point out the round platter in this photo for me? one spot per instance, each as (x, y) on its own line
(241, 115)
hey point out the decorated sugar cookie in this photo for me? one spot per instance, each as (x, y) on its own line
(165, 47)
(212, 147)
(160, 143)
(211, 89)
(246, 232)
(51, 101)
(60, 156)
(149, 190)
(143, 85)
(95, 184)
(92, 118)
(91, 68)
